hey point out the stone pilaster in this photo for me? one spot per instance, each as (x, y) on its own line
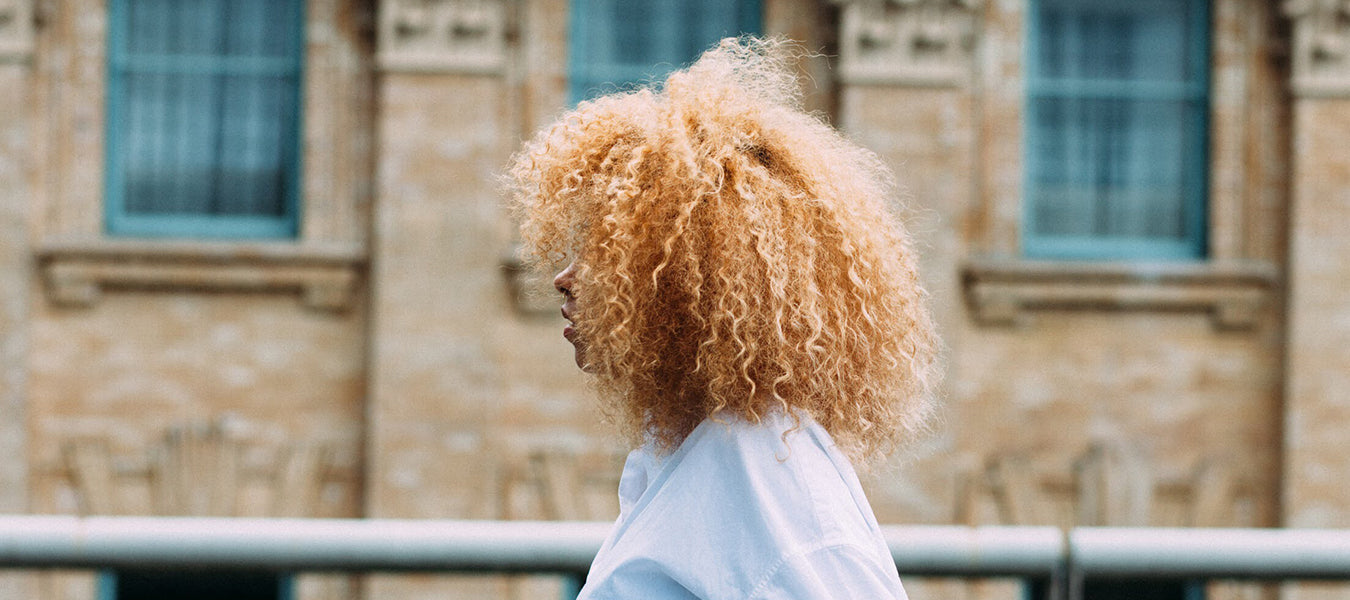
(1317, 388)
(16, 43)
(905, 70)
(437, 244)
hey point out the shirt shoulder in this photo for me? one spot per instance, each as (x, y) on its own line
(731, 505)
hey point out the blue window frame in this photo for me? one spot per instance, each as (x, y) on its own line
(203, 134)
(618, 43)
(1116, 129)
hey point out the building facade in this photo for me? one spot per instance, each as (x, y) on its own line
(254, 258)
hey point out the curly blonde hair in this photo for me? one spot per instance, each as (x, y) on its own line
(735, 255)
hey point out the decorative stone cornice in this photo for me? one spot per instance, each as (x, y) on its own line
(1003, 292)
(16, 30)
(443, 36)
(907, 42)
(76, 272)
(1321, 52)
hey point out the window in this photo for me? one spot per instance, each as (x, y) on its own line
(142, 584)
(617, 43)
(203, 118)
(1117, 101)
(1125, 589)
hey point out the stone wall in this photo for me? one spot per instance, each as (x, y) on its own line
(15, 270)
(395, 328)
(1048, 384)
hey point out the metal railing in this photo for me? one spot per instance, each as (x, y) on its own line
(388, 545)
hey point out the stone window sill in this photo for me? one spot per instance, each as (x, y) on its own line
(76, 272)
(1235, 294)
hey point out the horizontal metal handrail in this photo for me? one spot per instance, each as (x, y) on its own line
(976, 551)
(1211, 553)
(354, 545)
(298, 544)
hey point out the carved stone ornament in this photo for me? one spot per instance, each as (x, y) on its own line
(450, 36)
(908, 42)
(16, 29)
(1321, 46)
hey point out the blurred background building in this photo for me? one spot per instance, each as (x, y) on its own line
(254, 259)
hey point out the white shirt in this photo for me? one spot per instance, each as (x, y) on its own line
(734, 513)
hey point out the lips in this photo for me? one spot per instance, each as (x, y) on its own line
(569, 332)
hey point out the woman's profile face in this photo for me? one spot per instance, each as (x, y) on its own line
(564, 282)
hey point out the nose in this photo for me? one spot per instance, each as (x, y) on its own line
(564, 279)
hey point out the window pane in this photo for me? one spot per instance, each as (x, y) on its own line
(617, 43)
(1109, 40)
(251, 177)
(1110, 167)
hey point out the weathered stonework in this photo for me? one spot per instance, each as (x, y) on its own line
(443, 397)
(454, 36)
(15, 282)
(15, 278)
(1321, 46)
(911, 42)
(1317, 386)
(16, 30)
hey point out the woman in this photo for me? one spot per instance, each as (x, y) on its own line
(750, 311)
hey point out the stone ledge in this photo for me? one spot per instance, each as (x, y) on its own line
(1000, 292)
(76, 272)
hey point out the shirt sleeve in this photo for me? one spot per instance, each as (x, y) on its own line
(837, 572)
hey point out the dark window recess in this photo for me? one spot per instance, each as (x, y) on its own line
(1126, 589)
(198, 585)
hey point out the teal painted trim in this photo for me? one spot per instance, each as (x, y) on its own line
(204, 226)
(571, 586)
(286, 586)
(578, 28)
(1195, 174)
(1195, 589)
(751, 17)
(1201, 47)
(1124, 89)
(1103, 248)
(105, 585)
(113, 182)
(206, 65)
(294, 200)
